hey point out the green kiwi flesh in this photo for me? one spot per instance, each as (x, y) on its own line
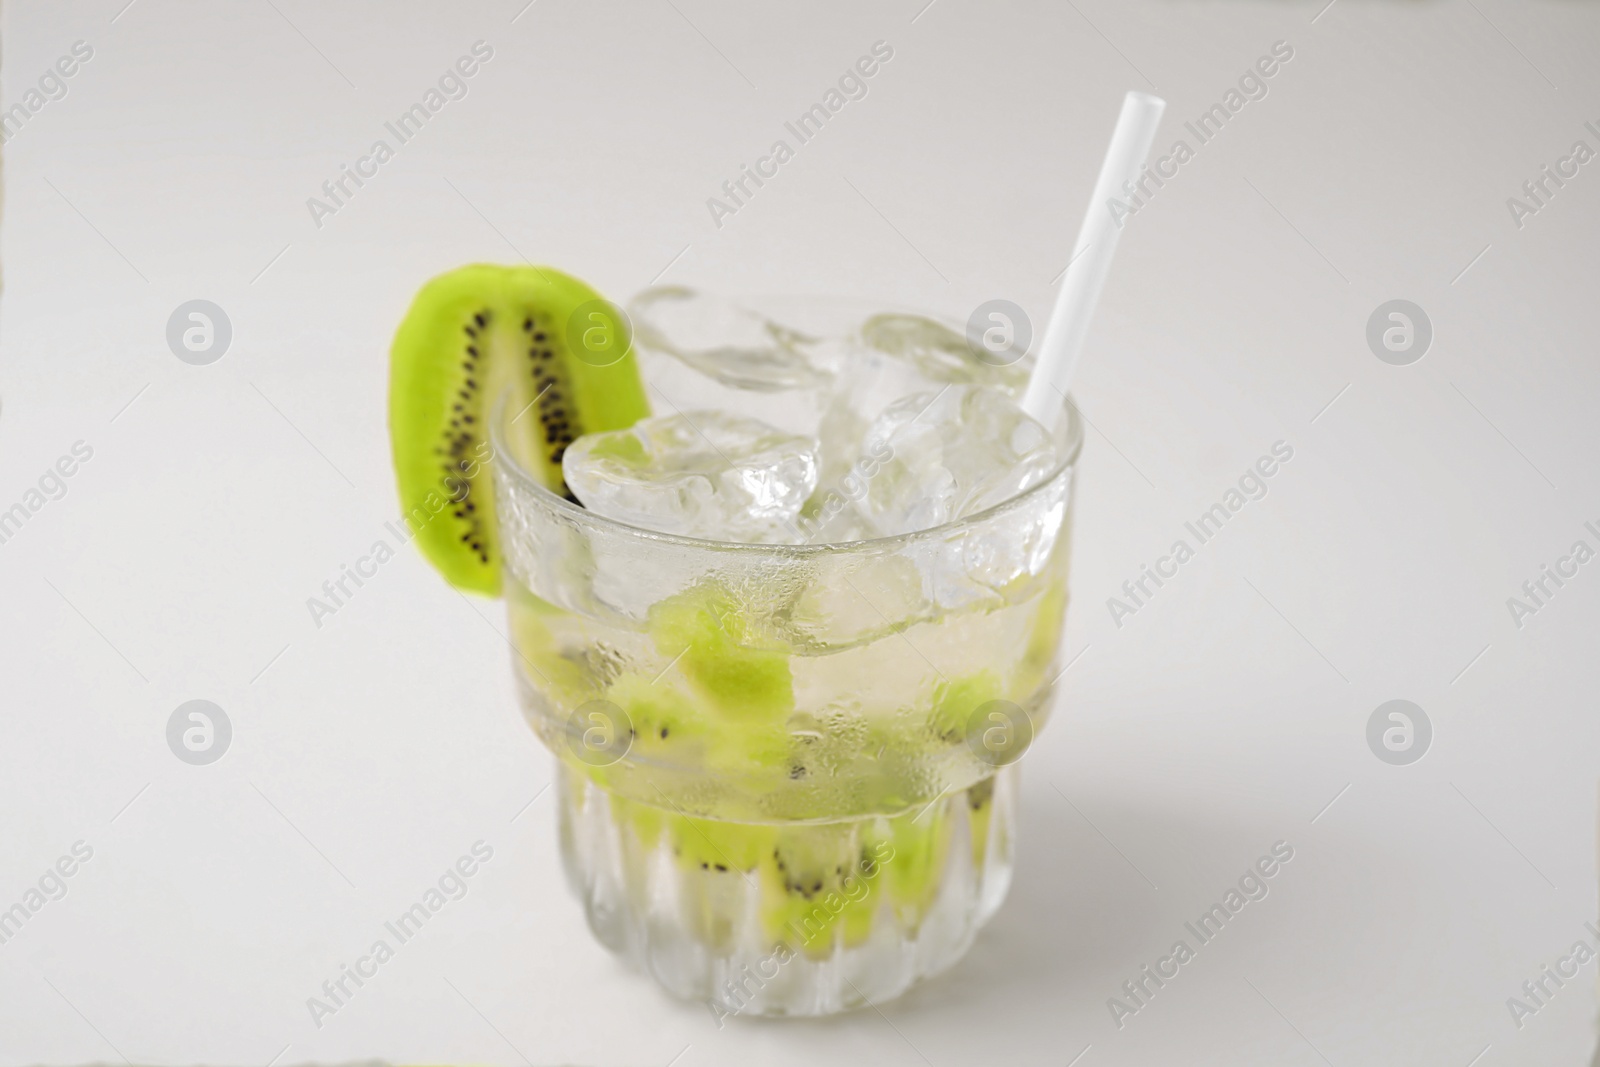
(476, 334)
(821, 884)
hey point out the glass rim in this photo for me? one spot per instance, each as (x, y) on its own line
(501, 454)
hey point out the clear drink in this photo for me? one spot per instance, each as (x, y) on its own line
(788, 780)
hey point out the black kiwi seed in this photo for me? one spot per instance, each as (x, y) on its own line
(721, 867)
(480, 320)
(663, 733)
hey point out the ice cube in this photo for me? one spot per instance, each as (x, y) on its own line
(946, 455)
(700, 473)
(729, 343)
(869, 382)
(938, 352)
(893, 356)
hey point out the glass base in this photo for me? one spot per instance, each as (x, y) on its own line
(791, 918)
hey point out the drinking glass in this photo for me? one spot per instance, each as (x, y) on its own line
(787, 773)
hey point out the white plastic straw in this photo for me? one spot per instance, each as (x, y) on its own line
(1091, 258)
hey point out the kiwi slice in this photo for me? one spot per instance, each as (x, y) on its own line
(954, 701)
(712, 636)
(547, 342)
(820, 884)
